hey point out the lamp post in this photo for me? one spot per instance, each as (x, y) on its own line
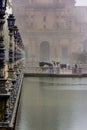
(19, 51)
(15, 47)
(4, 95)
(11, 22)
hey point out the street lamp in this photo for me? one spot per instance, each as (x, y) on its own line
(11, 23)
(20, 50)
(18, 46)
(3, 4)
(4, 95)
(15, 46)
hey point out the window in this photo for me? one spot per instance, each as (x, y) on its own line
(57, 25)
(44, 26)
(32, 25)
(68, 23)
(32, 16)
(32, 1)
(56, 1)
(57, 16)
(44, 19)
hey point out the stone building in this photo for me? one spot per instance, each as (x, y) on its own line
(52, 30)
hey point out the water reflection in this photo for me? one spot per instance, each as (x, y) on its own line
(53, 104)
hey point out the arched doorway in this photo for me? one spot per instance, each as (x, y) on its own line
(64, 51)
(44, 51)
(85, 46)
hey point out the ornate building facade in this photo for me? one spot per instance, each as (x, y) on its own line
(53, 30)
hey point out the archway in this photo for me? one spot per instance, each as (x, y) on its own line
(85, 46)
(44, 51)
(64, 50)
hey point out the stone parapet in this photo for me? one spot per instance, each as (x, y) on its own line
(13, 110)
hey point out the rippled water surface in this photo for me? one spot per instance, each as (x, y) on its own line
(53, 104)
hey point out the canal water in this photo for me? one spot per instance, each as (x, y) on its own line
(53, 104)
